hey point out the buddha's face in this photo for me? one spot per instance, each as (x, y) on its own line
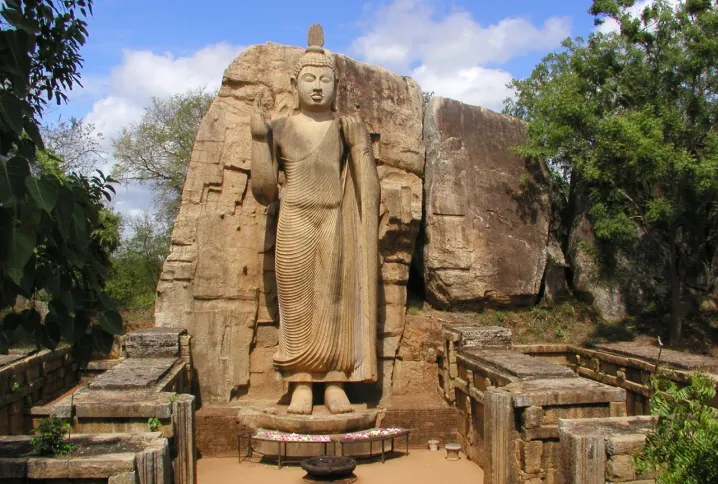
(315, 88)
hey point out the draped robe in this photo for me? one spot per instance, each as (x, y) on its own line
(326, 263)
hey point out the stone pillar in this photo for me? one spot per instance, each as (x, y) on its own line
(184, 432)
(498, 434)
(583, 459)
(153, 464)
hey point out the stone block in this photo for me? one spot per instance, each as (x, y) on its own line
(101, 466)
(267, 336)
(531, 417)
(620, 468)
(154, 343)
(12, 468)
(47, 468)
(510, 366)
(134, 373)
(387, 345)
(531, 456)
(261, 360)
(563, 391)
(123, 478)
(625, 444)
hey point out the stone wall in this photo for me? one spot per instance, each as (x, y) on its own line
(145, 460)
(424, 423)
(486, 222)
(602, 450)
(144, 391)
(520, 425)
(218, 281)
(27, 381)
(627, 366)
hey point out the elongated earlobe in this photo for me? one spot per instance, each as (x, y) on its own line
(295, 94)
(334, 101)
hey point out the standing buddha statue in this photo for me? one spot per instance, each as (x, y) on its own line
(326, 254)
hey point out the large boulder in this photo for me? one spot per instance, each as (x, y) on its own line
(218, 281)
(602, 291)
(486, 229)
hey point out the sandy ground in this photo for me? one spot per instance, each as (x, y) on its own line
(419, 467)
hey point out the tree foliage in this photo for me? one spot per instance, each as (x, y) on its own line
(683, 446)
(71, 146)
(630, 118)
(157, 149)
(55, 238)
(138, 262)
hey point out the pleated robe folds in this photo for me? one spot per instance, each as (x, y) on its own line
(326, 266)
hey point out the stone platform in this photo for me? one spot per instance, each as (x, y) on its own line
(321, 421)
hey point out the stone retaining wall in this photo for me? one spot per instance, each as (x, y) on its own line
(508, 406)
(520, 425)
(148, 463)
(617, 365)
(27, 381)
(602, 450)
(464, 336)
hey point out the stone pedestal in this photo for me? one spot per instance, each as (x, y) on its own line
(320, 422)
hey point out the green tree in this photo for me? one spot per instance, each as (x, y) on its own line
(137, 264)
(157, 149)
(630, 118)
(682, 447)
(53, 243)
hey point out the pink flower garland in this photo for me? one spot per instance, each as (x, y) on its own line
(282, 437)
(364, 434)
(368, 434)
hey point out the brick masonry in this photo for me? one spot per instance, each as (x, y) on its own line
(216, 430)
(217, 427)
(424, 423)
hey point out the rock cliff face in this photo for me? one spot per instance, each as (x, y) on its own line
(485, 232)
(600, 291)
(218, 281)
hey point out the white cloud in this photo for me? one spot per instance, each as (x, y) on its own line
(448, 53)
(475, 85)
(144, 74)
(636, 10)
(127, 90)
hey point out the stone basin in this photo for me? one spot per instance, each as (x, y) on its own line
(329, 469)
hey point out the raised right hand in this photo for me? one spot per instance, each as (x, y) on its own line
(258, 125)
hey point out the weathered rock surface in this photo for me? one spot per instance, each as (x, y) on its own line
(486, 237)
(555, 277)
(218, 280)
(600, 291)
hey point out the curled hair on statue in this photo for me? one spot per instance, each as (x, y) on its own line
(314, 56)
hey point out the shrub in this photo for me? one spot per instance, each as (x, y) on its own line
(682, 448)
(50, 437)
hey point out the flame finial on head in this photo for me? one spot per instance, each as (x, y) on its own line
(314, 55)
(316, 37)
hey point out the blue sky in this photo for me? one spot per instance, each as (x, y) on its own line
(467, 50)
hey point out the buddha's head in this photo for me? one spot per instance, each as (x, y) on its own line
(315, 79)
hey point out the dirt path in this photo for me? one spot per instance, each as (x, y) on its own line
(419, 467)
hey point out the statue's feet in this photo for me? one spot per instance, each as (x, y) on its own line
(336, 400)
(301, 399)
